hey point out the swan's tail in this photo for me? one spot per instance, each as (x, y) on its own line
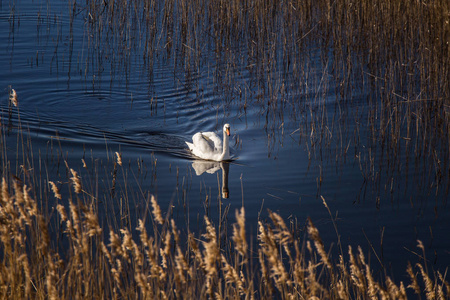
(190, 145)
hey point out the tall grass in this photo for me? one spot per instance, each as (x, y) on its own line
(154, 261)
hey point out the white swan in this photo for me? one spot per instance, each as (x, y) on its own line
(207, 145)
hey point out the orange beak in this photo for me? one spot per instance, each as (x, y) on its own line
(228, 131)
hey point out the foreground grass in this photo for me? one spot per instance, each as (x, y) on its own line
(155, 261)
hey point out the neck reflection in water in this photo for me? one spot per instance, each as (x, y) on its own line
(212, 167)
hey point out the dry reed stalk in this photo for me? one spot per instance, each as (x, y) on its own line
(51, 279)
(165, 252)
(141, 280)
(314, 235)
(143, 234)
(355, 272)
(239, 233)
(75, 181)
(414, 283)
(402, 290)
(210, 256)
(232, 276)
(119, 158)
(20, 204)
(69, 223)
(4, 194)
(440, 292)
(44, 237)
(92, 225)
(55, 190)
(394, 291)
(283, 235)
(444, 283)
(156, 211)
(151, 253)
(13, 97)
(131, 246)
(115, 245)
(342, 290)
(106, 253)
(429, 287)
(22, 215)
(372, 286)
(75, 216)
(62, 212)
(116, 272)
(18, 194)
(313, 286)
(23, 261)
(181, 266)
(197, 253)
(176, 234)
(262, 265)
(268, 244)
(299, 270)
(127, 240)
(342, 267)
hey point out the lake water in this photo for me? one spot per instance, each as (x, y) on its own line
(86, 94)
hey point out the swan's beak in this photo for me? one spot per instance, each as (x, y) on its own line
(228, 131)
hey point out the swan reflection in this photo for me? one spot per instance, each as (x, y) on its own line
(212, 167)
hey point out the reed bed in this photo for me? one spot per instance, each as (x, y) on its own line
(154, 260)
(363, 80)
(366, 80)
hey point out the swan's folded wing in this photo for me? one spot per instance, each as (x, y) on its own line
(214, 139)
(203, 147)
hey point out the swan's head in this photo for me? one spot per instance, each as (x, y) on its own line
(226, 129)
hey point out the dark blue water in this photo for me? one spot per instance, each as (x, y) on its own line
(85, 99)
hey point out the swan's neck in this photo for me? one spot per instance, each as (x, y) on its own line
(226, 148)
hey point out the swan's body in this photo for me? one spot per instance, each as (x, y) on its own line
(208, 145)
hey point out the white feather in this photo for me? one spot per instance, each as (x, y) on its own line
(208, 145)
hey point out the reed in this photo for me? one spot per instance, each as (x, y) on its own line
(337, 76)
(371, 76)
(160, 265)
